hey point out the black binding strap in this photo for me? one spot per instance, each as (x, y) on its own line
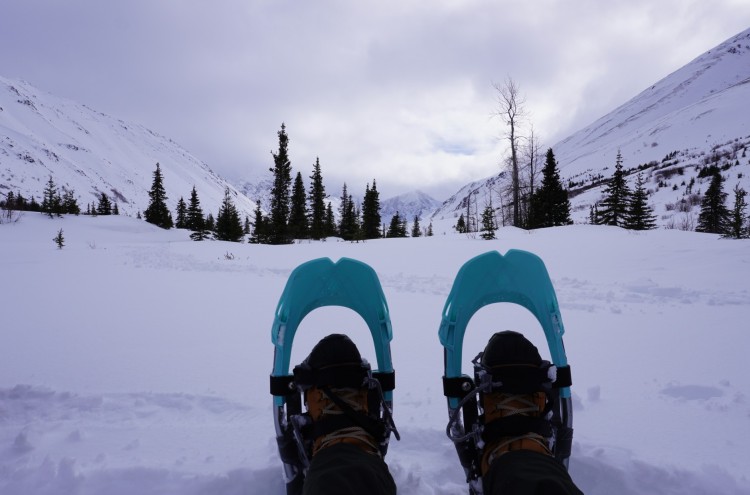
(564, 379)
(457, 387)
(387, 379)
(339, 376)
(282, 385)
(518, 379)
(516, 425)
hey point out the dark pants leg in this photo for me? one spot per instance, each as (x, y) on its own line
(523, 472)
(344, 469)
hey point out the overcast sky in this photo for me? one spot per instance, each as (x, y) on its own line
(400, 91)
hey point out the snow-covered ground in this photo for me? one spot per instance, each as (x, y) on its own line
(134, 361)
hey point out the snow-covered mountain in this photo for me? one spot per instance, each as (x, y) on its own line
(408, 205)
(694, 117)
(42, 135)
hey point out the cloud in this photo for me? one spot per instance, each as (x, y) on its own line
(400, 91)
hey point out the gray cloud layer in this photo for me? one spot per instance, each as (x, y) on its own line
(399, 91)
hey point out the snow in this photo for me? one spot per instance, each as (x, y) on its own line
(136, 361)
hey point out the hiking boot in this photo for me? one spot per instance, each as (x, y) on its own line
(511, 352)
(339, 413)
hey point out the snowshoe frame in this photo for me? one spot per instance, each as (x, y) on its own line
(318, 283)
(521, 278)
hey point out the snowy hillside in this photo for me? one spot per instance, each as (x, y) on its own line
(695, 117)
(142, 366)
(91, 153)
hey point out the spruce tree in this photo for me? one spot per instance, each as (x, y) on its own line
(317, 198)
(157, 211)
(714, 215)
(115, 209)
(228, 224)
(330, 224)
(59, 239)
(429, 230)
(416, 230)
(105, 206)
(195, 221)
(550, 206)
(282, 181)
(209, 224)
(738, 217)
(51, 201)
(181, 217)
(371, 212)
(298, 226)
(488, 223)
(461, 225)
(397, 228)
(348, 222)
(640, 214)
(260, 226)
(614, 207)
(70, 203)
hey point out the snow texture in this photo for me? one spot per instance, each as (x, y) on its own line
(136, 361)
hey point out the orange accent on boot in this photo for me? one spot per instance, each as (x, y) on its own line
(500, 405)
(320, 405)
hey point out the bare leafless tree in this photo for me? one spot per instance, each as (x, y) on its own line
(510, 109)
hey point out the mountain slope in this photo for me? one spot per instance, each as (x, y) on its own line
(91, 153)
(695, 117)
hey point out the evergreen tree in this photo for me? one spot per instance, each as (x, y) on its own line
(260, 227)
(397, 227)
(298, 226)
(461, 225)
(640, 214)
(115, 209)
(31, 206)
(157, 212)
(429, 230)
(738, 217)
(181, 220)
(317, 198)
(348, 223)
(209, 224)
(550, 206)
(371, 212)
(488, 223)
(70, 203)
(330, 224)
(59, 239)
(228, 224)
(194, 219)
(105, 206)
(282, 181)
(246, 226)
(416, 230)
(51, 202)
(714, 215)
(614, 206)
(10, 201)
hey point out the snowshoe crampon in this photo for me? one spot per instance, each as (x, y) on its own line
(521, 278)
(315, 284)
